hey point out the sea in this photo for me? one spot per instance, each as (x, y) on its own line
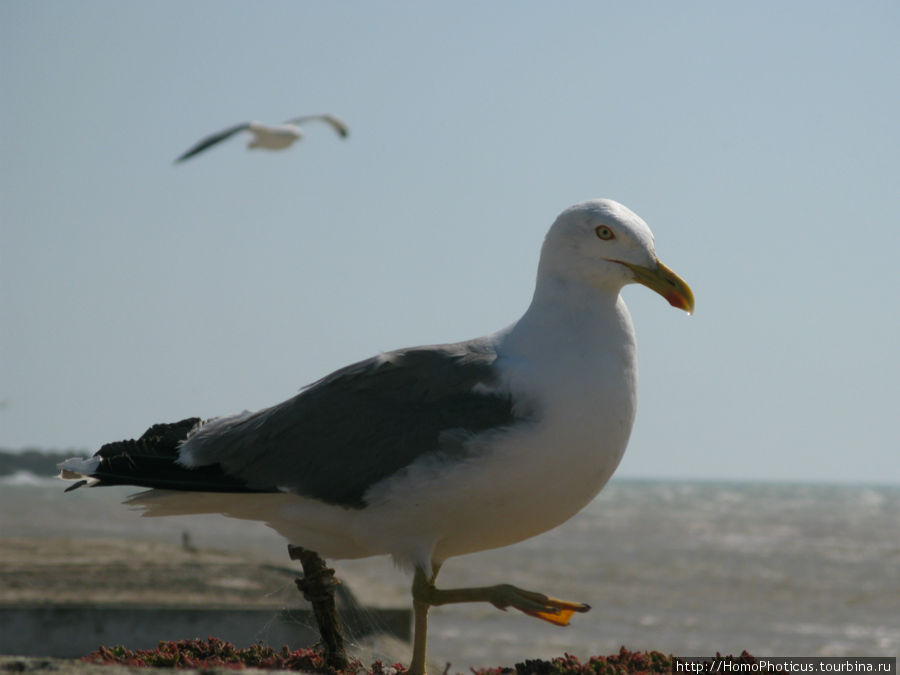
(687, 568)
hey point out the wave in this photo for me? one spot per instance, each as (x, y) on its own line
(22, 477)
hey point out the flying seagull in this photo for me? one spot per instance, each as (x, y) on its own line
(431, 452)
(268, 136)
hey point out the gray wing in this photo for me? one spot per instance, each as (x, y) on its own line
(211, 140)
(338, 125)
(361, 424)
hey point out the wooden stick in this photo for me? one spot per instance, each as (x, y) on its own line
(317, 585)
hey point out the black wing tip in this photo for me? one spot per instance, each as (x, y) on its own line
(211, 140)
(76, 485)
(190, 153)
(336, 123)
(342, 129)
(151, 461)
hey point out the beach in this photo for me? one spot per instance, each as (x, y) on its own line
(682, 568)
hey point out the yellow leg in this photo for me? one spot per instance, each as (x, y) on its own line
(425, 595)
(420, 635)
(420, 622)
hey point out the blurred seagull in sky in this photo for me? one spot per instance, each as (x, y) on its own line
(268, 136)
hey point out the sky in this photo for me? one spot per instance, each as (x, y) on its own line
(758, 140)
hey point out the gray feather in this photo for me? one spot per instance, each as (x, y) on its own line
(362, 423)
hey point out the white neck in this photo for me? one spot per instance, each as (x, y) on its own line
(571, 319)
(570, 365)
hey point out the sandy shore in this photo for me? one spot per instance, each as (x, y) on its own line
(108, 571)
(65, 597)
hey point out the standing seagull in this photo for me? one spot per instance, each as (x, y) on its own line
(268, 136)
(432, 452)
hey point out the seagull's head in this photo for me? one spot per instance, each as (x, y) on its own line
(604, 244)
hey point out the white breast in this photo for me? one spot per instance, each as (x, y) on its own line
(536, 476)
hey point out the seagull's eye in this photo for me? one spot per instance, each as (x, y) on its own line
(604, 232)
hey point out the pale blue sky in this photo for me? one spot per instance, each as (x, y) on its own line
(759, 141)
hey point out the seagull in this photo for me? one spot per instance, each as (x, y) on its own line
(431, 452)
(268, 136)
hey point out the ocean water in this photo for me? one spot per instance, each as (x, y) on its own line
(683, 568)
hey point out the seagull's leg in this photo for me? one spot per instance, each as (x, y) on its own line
(317, 586)
(538, 605)
(420, 618)
(425, 595)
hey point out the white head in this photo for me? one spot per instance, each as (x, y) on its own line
(603, 244)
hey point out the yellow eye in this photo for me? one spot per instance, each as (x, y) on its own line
(604, 232)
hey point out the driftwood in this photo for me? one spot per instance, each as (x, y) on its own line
(318, 585)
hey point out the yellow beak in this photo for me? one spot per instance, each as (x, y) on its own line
(665, 282)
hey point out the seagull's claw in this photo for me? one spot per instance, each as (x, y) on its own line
(538, 605)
